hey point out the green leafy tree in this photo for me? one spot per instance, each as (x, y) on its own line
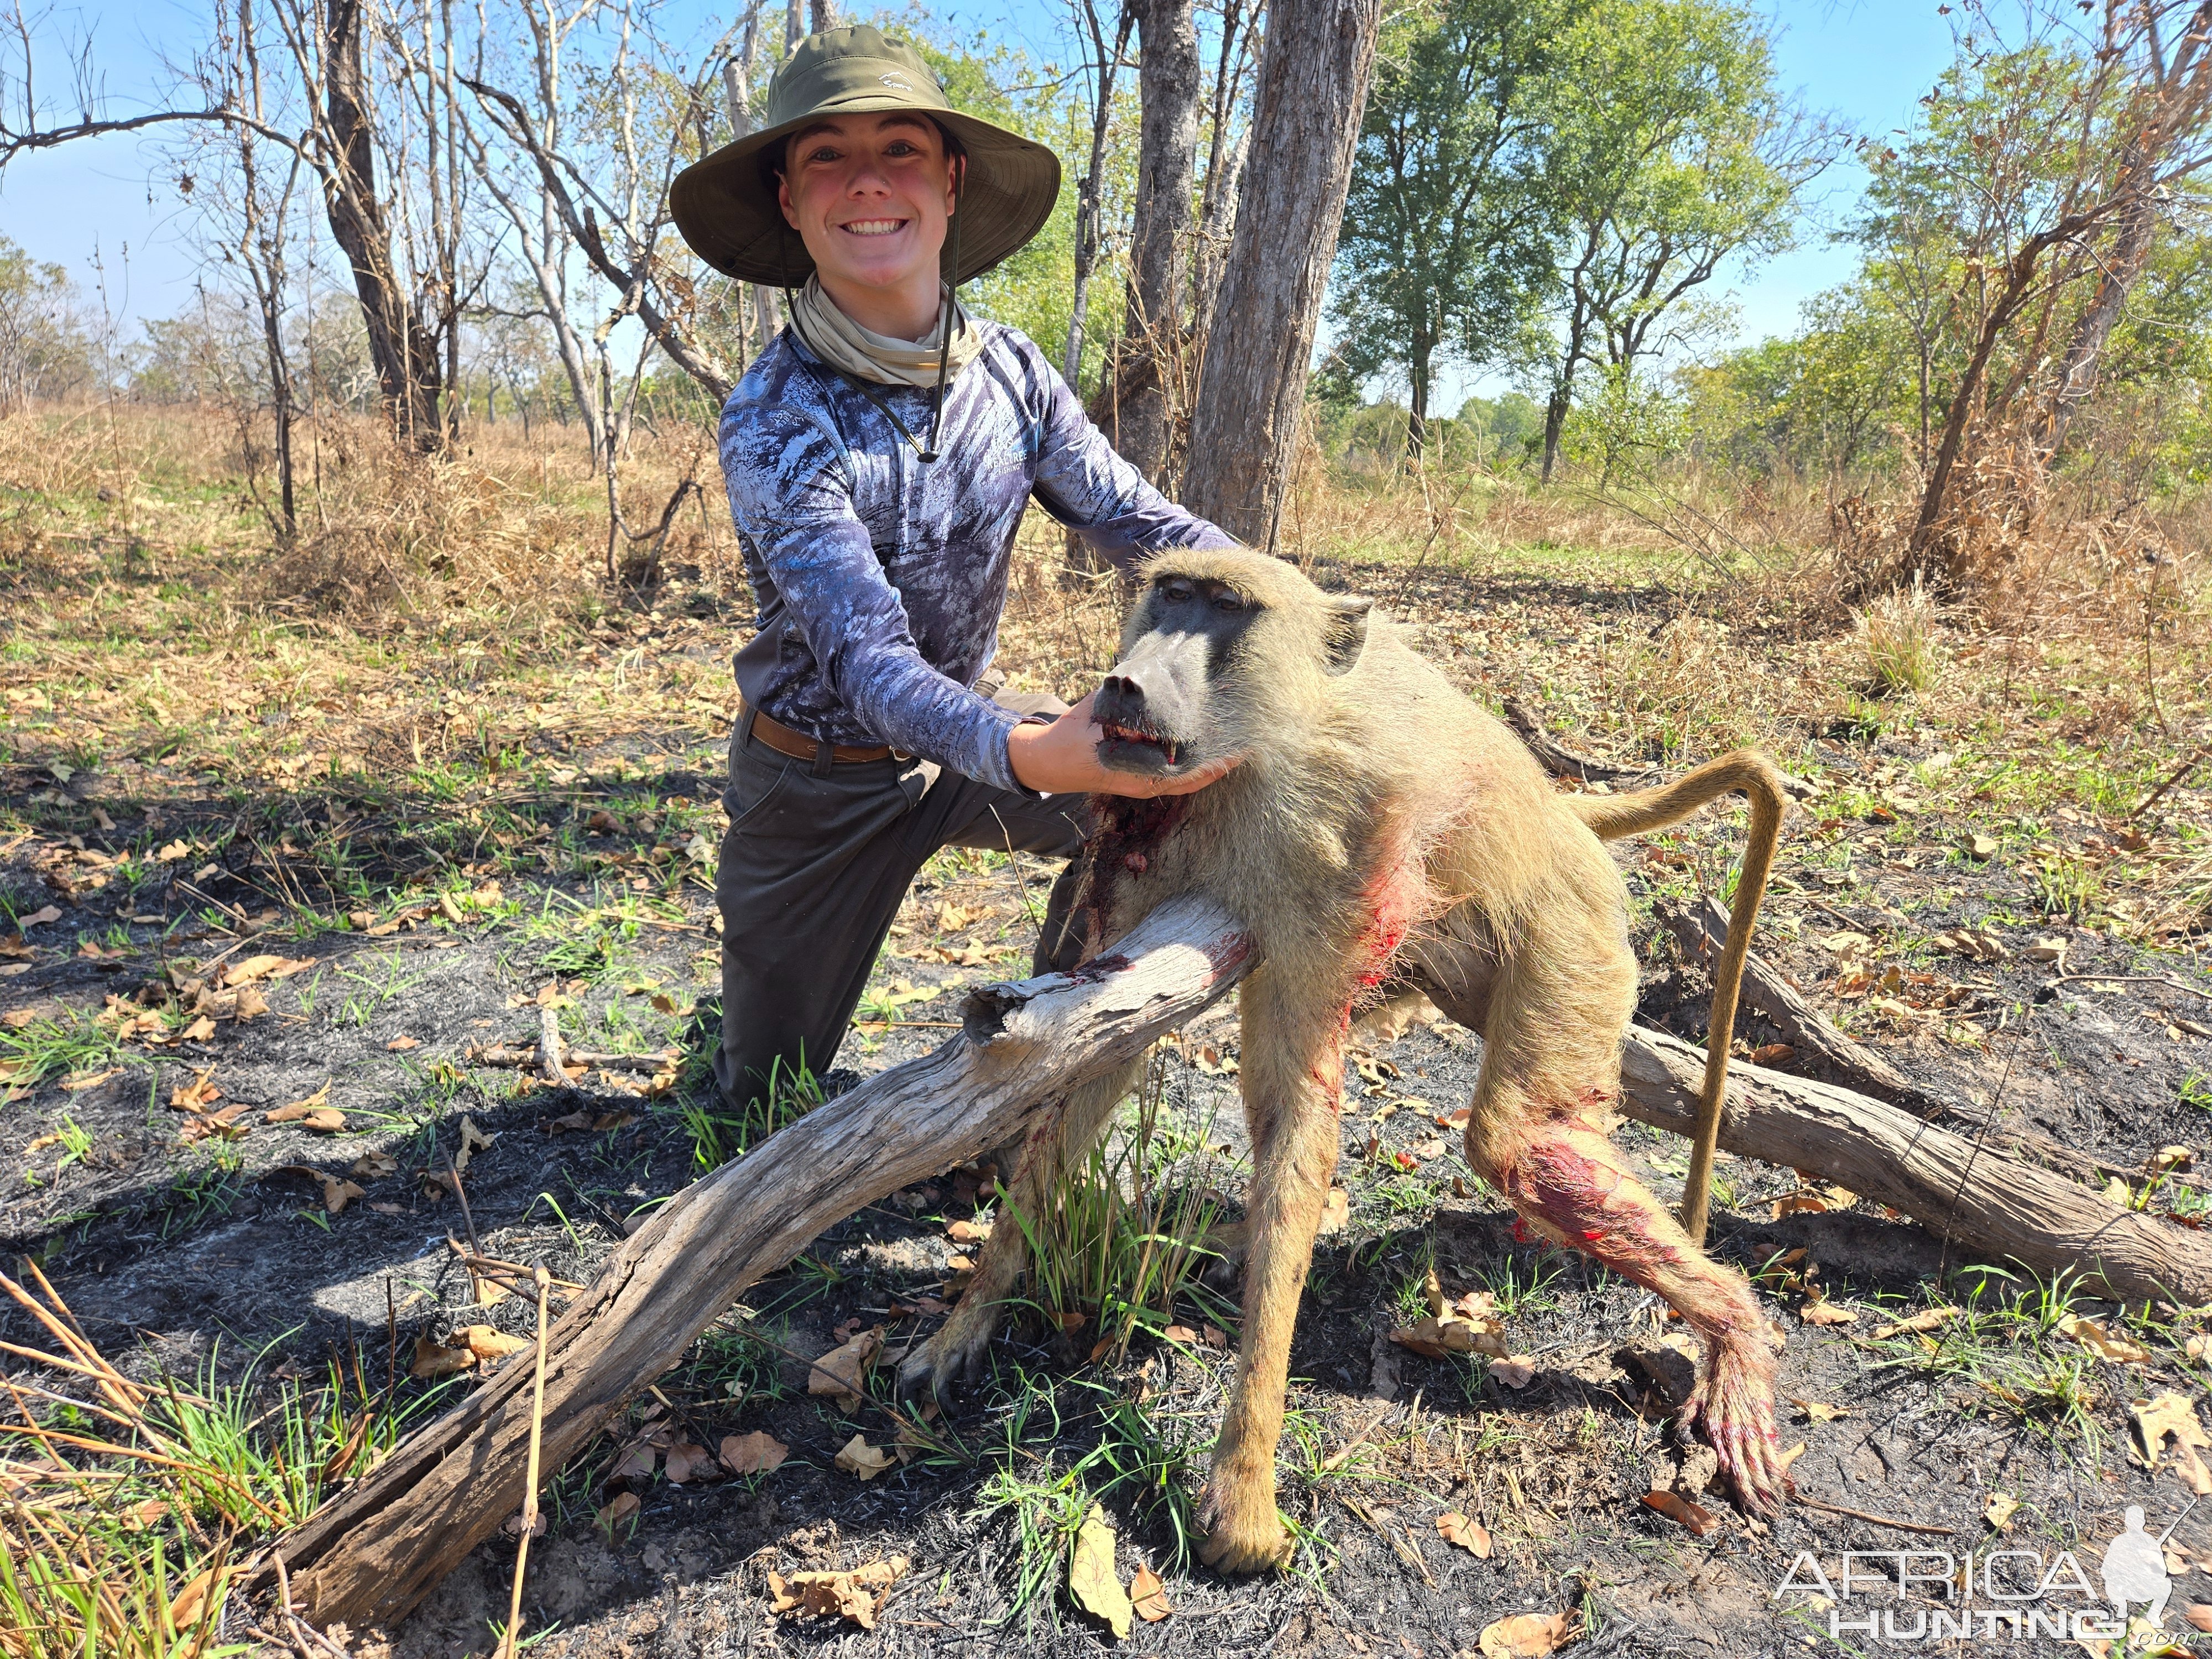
(1440, 251)
(1667, 150)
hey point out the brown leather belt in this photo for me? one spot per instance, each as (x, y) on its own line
(797, 745)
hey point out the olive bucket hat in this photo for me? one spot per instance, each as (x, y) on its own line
(726, 203)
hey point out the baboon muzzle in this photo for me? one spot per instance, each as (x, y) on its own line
(1152, 704)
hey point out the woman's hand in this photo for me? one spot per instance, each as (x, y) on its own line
(1062, 759)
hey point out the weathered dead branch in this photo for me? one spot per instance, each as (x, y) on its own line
(373, 1554)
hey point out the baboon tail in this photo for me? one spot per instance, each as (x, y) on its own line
(1613, 816)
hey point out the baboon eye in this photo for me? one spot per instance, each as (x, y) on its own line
(1177, 592)
(1228, 600)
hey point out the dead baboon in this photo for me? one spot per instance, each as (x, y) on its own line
(1381, 832)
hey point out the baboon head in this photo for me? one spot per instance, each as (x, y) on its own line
(1221, 646)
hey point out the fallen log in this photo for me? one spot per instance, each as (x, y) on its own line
(1998, 1209)
(1556, 757)
(1703, 929)
(370, 1555)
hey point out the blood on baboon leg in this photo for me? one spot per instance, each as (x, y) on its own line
(1384, 832)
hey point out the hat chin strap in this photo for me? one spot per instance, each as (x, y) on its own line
(951, 309)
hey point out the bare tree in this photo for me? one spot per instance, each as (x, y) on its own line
(2172, 81)
(1091, 240)
(1251, 397)
(614, 206)
(328, 124)
(1142, 390)
(1224, 158)
(2070, 172)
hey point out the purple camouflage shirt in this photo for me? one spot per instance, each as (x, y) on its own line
(880, 579)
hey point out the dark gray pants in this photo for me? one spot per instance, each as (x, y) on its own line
(815, 863)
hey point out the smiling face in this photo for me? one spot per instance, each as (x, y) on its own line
(870, 196)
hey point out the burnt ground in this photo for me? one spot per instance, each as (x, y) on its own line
(204, 1253)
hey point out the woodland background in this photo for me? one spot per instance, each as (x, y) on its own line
(364, 686)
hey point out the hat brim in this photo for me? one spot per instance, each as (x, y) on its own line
(733, 220)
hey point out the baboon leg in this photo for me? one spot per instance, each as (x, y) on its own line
(1292, 1065)
(954, 1354)
(1548, 1074)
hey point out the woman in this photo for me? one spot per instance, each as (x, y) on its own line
(880, 455)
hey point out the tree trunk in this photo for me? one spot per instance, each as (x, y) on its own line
(1090, 238)
(1417, 419)
(1244, 430)
(404, 352)
(2078, 369)
(1555, 422)
(2019, 276)
(378, 1550)
(1225, 162)
(1144, 388)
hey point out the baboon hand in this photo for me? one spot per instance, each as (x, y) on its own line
(1734, 1407)
(949, 1360)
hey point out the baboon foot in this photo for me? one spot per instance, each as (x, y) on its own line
(1242, 1531)
(954, 1356)
(1734, 1408)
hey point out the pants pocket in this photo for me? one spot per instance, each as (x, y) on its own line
(755, 789)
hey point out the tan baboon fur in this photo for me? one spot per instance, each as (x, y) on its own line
(1383, 830)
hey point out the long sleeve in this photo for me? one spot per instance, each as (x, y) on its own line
(791, 492)
(1085, 484)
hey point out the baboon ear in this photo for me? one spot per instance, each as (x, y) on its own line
(1345, 634)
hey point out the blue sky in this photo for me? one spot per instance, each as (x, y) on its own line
(1865, 63)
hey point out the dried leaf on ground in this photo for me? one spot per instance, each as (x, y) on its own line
(1821, 1311)
(338, 1193)
(434, 1359)
(1149, 1597)
(757, 1453)
(198, 1032)
(2000, 1510)
(1818, 1411)
(1526, 1635)
(859, 1458)
(857, 1596)
(843, 1371)
(619, 1509)
(263, 967)
(1928, 1319)
(1514, 1372)
(473, 1140)
(491, 1346)
(299, 1109)
(1091, 1579)
(198, 1095)
(688, 1461)
(968, 1232)
(1464, 1530)
(2100, 1341)
(373, 1166)
(1677, 1508)
(2171, 1415)
(400, 1043)
(1435, 1337)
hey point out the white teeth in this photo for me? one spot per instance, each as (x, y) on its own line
(874, 227)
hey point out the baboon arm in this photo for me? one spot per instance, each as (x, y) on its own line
(1610, 817)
